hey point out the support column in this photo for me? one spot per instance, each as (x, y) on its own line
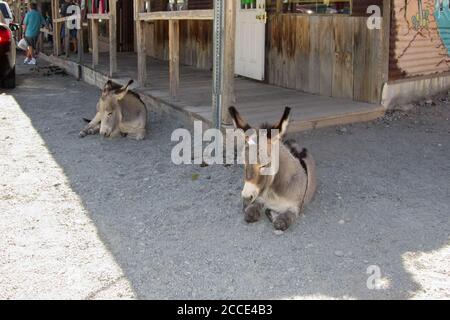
(66, 39)
(218, 63)
(80, 43)
(229, 98)
(56, 29)
(174, 56)
(140, 43)
(279, 6)
(94, 24)
(112, 37)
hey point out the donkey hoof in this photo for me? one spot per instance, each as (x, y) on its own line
(250, 218)
(251, 215)
(280, 224)
(82, 134)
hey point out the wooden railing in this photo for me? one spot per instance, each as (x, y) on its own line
(142, 16)
(112, 19)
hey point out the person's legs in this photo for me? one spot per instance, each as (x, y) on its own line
(28, 51)
(32, 41)
(74, 40)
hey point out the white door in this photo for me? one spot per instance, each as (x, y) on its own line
(251, 20)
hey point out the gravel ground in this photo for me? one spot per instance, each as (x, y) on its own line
(94, 218)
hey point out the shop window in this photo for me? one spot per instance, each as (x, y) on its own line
(313, 6)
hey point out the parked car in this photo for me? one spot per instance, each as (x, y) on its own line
(7, 54)
(6, 12)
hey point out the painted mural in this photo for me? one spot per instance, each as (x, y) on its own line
(442, 16)
(420, 38)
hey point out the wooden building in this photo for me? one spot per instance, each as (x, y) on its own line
(341, 56)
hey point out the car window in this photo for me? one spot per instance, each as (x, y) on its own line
(4, 11)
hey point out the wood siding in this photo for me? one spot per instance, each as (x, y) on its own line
(336, 56)
(196, 39)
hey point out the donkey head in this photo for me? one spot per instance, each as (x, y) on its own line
(109, 108)
(258, 177)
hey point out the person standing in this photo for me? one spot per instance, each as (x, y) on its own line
(32, 24)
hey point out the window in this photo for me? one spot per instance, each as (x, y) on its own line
(4, 11)
(318, 6)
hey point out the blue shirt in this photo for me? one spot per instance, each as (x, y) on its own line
(33, 21)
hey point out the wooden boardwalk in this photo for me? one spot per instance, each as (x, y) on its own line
(258, 102)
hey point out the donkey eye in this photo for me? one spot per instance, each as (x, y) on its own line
(110, 114)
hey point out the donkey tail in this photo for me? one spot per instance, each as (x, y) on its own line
(309, 165)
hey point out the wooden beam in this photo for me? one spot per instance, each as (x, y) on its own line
(174, 56)
(94, 43)
(229, 98)
(140, 44)
(177, 15)
(112, 37)
(98, 16)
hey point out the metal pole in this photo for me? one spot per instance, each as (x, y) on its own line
(219, 37)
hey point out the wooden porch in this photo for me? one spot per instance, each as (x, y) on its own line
(258, 102)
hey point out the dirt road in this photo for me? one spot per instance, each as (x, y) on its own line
(93, 218)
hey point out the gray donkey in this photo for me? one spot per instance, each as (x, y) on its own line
(120, 111)
(283, 194)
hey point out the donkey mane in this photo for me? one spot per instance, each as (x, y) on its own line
(299, 154)
(291, 145)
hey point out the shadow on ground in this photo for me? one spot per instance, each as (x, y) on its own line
(383, 193)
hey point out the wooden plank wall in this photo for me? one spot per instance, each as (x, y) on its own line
(335, 56)
(196, 40)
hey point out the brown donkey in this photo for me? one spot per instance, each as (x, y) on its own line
(282, 194)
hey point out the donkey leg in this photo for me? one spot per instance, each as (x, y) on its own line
(252, 213)
(91, 126)
(271, 215)
(94, 130)
(284, 220)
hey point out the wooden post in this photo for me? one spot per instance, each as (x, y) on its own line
(279, 6)
(66, 39)
(94, 43)
(40, 41)
(53, 8)
(80, 43)
(385, 34)
(140, 43)
(112, 37)
(174, 56)
(56, 29)
(229, 97)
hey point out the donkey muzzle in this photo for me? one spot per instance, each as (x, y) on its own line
(249, 193)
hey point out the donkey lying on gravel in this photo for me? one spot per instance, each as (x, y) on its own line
(283, 194)
(119, 112)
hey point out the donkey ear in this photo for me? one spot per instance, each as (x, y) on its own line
(108, 86)
(282, 125)
(122, 92)
(238, 121)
